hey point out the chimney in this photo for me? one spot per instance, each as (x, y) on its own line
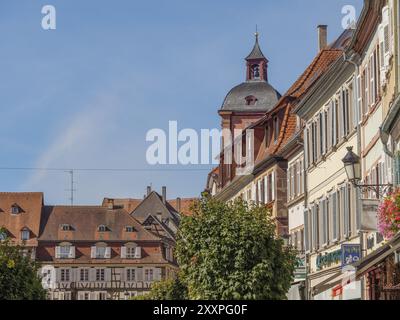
(164, 195)
(178, 205)
(148, 190)
(322, 36)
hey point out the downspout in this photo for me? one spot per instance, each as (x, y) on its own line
(358, 202)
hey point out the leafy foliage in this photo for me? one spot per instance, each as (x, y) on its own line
(19, 278)
(230, 251)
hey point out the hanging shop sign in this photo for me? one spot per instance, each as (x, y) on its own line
(351, 253)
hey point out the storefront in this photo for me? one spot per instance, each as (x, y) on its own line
(335, 278)
(382, 271)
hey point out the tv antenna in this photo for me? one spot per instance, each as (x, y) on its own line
(72, 186)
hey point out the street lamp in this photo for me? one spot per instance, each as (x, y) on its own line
(352, 166)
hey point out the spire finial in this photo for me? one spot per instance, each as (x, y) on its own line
(256, 33)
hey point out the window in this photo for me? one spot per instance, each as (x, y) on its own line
(3, 235)
(100, 274)
(100, 252)
(25, 235)
(65, 275)
(130, 275)
(251, 100)
(255, 71)
(66, 227)
(129, 229)
(130, 252)
(65, 252)
(276, 129)
(15, 209)
(102, 295)
(267, 136)
(102, 228)
(148, 275)
(84, 275)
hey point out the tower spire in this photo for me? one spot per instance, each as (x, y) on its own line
(257, 63)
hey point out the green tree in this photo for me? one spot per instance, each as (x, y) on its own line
(230, 251)
(19, 278)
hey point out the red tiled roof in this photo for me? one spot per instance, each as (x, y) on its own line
(30, 204)
(85, 221)
(314, 71)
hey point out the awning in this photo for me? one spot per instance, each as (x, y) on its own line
(336, 282)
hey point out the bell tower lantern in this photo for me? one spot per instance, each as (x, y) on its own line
(257, 64)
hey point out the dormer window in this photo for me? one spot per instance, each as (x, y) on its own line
(15, 209)
(3, 235)
(102, 228)
(25, 234)
(251, 100)
(66, 227)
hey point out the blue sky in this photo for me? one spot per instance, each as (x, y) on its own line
(85, 95)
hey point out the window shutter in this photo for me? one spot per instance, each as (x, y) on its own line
(273, 186)
(321, 239)
(305, 137)
(253, 192)
(323, 133)
(138, 252)
(58, 252)
(289, 194)
(93, 252)
(334, 123)
(266, 190)
(108, 253)
(324, 222)
(123, 252)
(139, 275)
(397, 170)
(329, 128)
(314, 227)
(335, 217)
(157, 274)
(71, 253)
(306, 231)
(107, 274)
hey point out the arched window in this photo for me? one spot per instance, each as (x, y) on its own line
(255, 71)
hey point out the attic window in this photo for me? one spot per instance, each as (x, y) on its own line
(129, 229)
(3, 235)
(66, 227)
(25, 234)
(102, 228)
(15, 209)
(251, 100)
